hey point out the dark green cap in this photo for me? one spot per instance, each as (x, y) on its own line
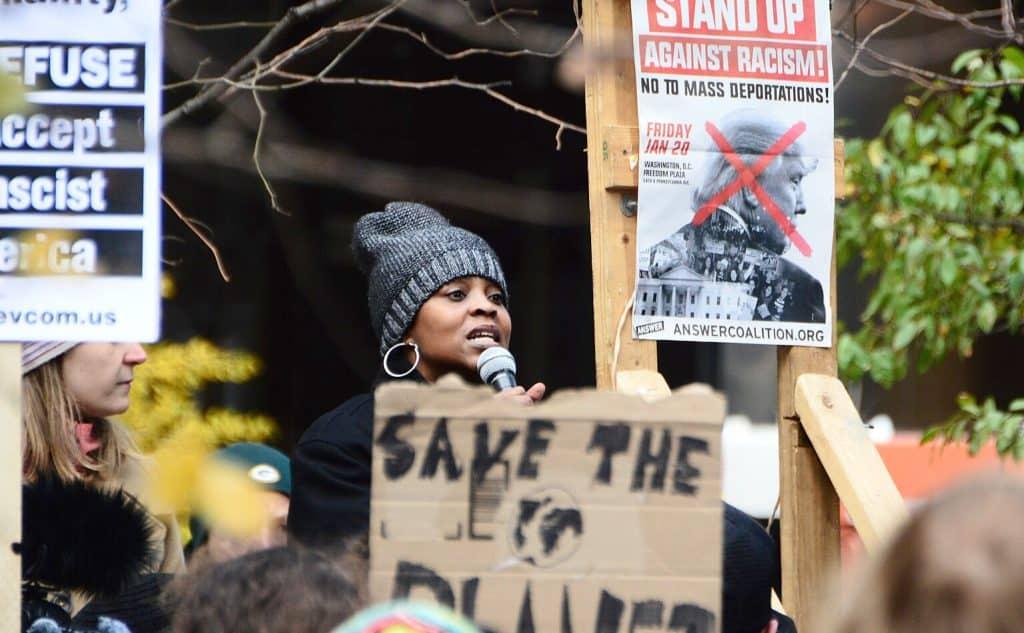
(264, 465)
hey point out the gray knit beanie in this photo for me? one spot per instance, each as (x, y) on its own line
(408, 251)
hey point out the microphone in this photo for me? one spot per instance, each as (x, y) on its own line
(497, 368)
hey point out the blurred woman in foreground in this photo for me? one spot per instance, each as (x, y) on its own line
(69, 392)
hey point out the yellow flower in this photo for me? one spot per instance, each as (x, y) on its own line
(228, 500)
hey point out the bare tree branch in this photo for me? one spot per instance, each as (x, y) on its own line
(238, 78)
(891, 72)
(274, 202)
(189, 82)
(488, 89)
(212, 91)
(914, 72)
(968, 21)
(422, 38)
(193, 225)
(339, 168)
(252, 74)
(501, 17)
(451, 19)
(362, 25)
(863, 43)
(496, 16)
(220, 26)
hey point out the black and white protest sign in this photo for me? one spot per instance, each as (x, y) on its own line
(736, 188)
(80, 171)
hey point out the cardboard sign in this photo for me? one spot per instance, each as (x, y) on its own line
(736, 188)
(80, 171)
(590, 512)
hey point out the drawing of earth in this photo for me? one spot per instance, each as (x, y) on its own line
(547, 527)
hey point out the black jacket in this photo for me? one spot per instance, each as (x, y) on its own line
(330, 499)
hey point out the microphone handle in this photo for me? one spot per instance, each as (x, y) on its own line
(503, 380)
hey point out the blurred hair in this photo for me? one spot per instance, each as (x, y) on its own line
(277, 590)
(956, 567)
(49, 445)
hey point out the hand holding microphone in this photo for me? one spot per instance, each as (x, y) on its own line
(497, 368)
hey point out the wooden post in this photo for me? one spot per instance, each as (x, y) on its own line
(612, 156)
(10, 487)
(810, 507)
(809, 517)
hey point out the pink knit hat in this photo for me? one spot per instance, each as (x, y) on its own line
(38, 353)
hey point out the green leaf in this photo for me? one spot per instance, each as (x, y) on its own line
(876, 153)
(1009, 70)
(883, 367)
(979, 286)
(965, 346)
(845, 352)
(958, 231)
(968, 404)
(965, 58)
(905, 334)
(930, 434)
(968, 154)
(1010, 124)
(948, 269)
(901, 125)
(925, 134)
(978, 440)
(987, 315)
(915, 249)
(1017, 405)
(1014, 56)
(1008, 433)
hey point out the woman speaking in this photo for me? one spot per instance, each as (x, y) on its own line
(438, 299)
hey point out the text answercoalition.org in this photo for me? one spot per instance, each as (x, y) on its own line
(767, 333)
(57, 317)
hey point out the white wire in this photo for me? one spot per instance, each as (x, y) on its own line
(618, 337)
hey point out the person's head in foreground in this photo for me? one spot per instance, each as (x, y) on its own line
(68, 392)
(405, 616)
(277, 590)
(99, 547)
(751, 135)
(269, 469)
(748, 568)
(437, 293)
(956, 567)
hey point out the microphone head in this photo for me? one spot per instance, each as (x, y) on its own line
(494, 361)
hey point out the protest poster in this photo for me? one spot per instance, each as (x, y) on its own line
(592, 511)
(736, 193)
(80, 171)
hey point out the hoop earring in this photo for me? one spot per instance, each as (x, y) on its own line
(387, 355)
